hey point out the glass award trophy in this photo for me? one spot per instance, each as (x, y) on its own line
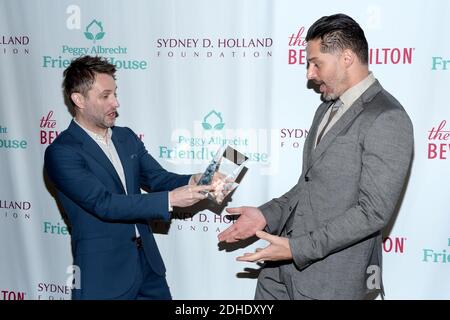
(228, 162)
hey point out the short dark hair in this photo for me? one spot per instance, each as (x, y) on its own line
(80, 76)
(339, 32)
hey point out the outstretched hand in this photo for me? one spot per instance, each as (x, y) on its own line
(249, 222)
(277, 250)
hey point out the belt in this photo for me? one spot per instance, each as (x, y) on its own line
(138, 241)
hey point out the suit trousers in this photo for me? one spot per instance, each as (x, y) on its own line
(148, 285)
(272, 286)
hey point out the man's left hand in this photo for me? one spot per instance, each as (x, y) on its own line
(221, 186)
(277, 250)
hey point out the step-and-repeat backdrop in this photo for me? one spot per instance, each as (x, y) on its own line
(193, 76)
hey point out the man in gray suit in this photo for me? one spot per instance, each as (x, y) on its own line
(325, 233)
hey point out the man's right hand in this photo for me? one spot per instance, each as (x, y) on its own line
(188, 195)
(250, 220)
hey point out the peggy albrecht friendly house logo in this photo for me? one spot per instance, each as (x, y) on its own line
(95, 39)
(94, 31)
(213, 121)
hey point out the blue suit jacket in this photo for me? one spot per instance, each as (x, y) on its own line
(101, 216)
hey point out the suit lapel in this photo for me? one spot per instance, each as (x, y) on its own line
(125, 157)
(329, 137)
(94, 151)
(347, 118)
(309, 145)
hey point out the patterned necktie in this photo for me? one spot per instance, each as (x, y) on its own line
(334, 109)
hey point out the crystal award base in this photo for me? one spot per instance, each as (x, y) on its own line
(228, 163)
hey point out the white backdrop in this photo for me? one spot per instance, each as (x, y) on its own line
(191, 76)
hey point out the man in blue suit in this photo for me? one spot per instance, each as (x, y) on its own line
(98, 170)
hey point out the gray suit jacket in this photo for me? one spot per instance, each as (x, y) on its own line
(347, 192)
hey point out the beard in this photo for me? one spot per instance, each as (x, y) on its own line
(329, 96)
(105, 121)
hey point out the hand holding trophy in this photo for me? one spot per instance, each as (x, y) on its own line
(222, 173)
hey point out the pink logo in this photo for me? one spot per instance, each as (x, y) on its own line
(297, 47)
(394, 245)
(438, 148)
(391, 55)
(47, 125)
(12, 295)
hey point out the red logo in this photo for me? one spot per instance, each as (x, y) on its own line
(394, 245)
(439, 147)
(48, 126)
(12, 295)
(391, 55)
(297, 47)
(297, 52)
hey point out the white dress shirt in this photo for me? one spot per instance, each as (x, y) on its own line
(347, 98)
(106, 144)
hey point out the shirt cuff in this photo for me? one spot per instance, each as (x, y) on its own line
(168, 202)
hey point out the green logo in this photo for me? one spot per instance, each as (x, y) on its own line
(94, 31)
(213, 120)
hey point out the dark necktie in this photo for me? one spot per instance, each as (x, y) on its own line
(334, 109)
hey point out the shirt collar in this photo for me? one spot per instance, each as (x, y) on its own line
(96, 136)
(350, 96)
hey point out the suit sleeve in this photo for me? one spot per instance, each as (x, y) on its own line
(67, 169)
(386, 158)
(152, 175)
(273, 209)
